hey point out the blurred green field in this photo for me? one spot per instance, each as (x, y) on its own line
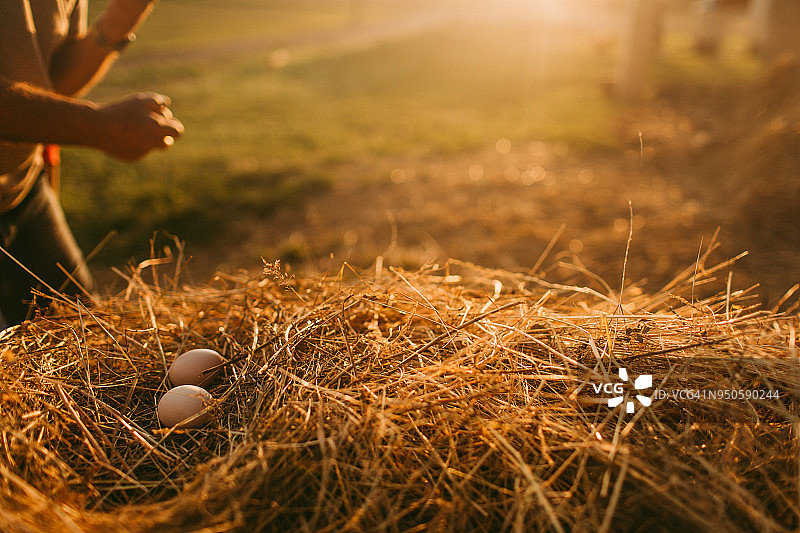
(278, 101)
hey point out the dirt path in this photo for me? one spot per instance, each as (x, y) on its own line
(494, 209)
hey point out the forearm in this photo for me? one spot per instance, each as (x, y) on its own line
(127, 129)
(82, 61)
(30, 114)
(79, 64)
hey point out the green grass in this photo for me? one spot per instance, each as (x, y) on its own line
(259, 137)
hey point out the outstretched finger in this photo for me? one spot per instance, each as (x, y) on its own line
(157, 102)
(168, 124)
(174, 127)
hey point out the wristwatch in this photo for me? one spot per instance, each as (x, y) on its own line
(103, 39)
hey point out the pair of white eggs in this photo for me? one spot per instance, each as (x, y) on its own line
(188, 373)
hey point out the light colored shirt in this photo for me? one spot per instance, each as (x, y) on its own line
(30, 33)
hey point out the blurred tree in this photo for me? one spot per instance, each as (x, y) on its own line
(775, 27)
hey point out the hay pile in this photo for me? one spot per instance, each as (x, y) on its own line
(449, 399)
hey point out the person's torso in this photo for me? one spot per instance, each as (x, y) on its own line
(30, 33)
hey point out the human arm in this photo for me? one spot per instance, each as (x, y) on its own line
(127, 129)
(83, 59)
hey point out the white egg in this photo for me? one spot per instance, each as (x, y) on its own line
(181, 403)
(195, 367)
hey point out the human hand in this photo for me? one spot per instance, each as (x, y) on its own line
(136, 125)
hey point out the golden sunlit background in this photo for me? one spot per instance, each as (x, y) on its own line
(518, 134)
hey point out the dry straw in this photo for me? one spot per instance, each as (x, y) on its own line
(448, 399)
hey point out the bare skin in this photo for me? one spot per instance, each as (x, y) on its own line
(127, 129)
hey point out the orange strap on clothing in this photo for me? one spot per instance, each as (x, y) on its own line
(52, 158)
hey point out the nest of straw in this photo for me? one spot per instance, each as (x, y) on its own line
(454, 398)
